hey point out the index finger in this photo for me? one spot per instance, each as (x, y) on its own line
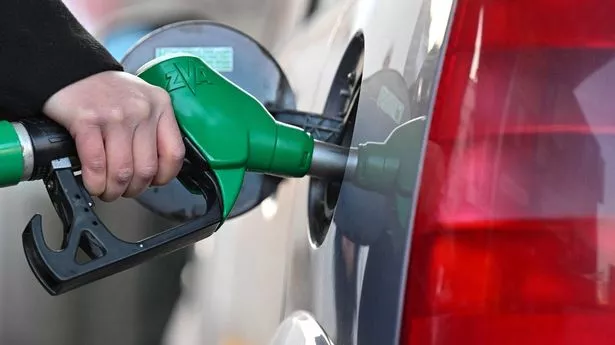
(91, 152)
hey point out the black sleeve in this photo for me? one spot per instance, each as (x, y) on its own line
(42, 49)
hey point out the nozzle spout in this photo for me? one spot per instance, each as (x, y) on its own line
(332, 162)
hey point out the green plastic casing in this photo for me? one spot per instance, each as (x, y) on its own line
(231, 129)
(11, 156)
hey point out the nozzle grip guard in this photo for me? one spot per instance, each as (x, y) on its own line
(59, 271)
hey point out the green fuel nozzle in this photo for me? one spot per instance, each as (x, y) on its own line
(235, 134)
(229, 127)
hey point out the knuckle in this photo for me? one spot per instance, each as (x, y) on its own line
(147, 172)
(95, 161)
(123, 176)
(115, 115)
(96, 164)
(138, 107)
(89, 116)
(162, 97)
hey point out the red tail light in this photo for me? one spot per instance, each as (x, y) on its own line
(514, 238)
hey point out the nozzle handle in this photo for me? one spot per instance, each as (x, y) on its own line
(50, 141)
(28, 146)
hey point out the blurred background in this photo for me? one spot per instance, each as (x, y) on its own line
(151, 304)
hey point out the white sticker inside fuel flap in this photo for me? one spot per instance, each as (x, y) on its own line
(390, 104)
(219, 58)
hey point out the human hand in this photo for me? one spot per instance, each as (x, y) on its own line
(125, 132)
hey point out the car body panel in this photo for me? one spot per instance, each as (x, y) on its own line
(350, 288)
(355, 280)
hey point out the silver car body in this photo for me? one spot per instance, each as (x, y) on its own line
(263, 279)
